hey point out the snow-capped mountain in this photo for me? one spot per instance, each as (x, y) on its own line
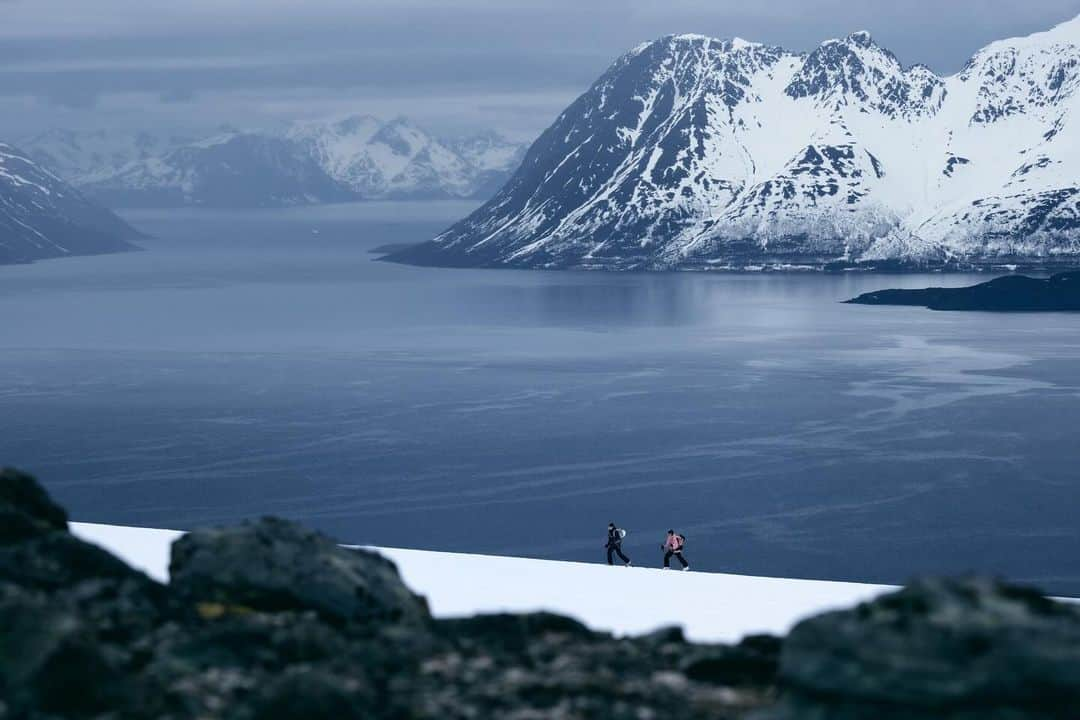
(398, 160)
(691, 152)
(43, 217)
(82, 157)
(358, 158)
(228, 170)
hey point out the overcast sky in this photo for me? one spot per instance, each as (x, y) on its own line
(451, 65)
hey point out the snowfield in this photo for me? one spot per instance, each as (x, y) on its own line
(710, 607)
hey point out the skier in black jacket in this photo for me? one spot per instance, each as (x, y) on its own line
(614, 544)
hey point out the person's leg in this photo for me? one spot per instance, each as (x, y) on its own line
(682, 559)
(667, 559)
(618, 550)
(610, 550)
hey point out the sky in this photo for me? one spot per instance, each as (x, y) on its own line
(452, 66)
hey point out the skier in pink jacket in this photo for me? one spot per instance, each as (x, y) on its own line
(674, 546)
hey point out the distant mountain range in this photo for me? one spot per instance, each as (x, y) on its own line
(696, 153)
(358, 158)
(43, 217)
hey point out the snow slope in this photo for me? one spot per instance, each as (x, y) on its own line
(691, 152)
(709, 606)
(41, 216)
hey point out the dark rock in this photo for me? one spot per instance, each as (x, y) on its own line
(939, 648)
(26, 510)
(36, 549)
(312, 694)
(57, 560)
(70, 613)
(1012, 293)
(665, 635)
(512, 633)
(754, 661)
(51, 659)
(274, 565)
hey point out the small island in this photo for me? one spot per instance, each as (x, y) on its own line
(1011, 293)
(391, 248)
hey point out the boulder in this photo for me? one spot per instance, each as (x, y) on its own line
(36, 549)
(59, 560)
(939, 648)
(273, 565)
(26, 510)
(513, 633)
(753, 661)
(314, 694)
(51, 658)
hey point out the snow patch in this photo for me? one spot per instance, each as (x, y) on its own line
(711, 607)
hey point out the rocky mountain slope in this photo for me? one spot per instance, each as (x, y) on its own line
(358, 158)
(42, 217)
(691, 152)
(268, 620)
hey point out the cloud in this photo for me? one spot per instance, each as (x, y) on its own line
(210, 56)
(72, 96)
(178, 95)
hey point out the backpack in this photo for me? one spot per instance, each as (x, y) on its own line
(682, 541)
(622, 533)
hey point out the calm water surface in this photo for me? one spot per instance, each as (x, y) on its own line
(253, 363)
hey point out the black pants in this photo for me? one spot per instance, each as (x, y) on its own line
(676, 553)
(618, 551)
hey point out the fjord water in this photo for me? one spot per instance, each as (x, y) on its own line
(262, 363)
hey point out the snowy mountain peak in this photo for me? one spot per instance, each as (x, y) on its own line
(357, 124)
(1033, 75)
(401, 137)
(856, 70)
(701, 153)
(398, 159)
(861, 38)
(686, 38)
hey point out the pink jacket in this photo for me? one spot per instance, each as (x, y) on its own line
(673, 543)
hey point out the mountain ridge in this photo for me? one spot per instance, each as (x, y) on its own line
(696, 153)
(355, 158)
(43, 217)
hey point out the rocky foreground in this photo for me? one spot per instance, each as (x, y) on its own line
(269, 620)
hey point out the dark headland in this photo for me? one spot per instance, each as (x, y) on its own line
(1012, 293)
